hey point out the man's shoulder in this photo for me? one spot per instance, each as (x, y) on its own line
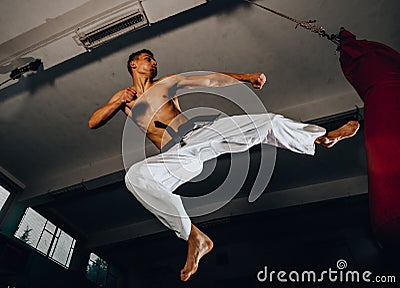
(167, 80)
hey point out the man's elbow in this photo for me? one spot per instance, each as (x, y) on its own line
(92, 124)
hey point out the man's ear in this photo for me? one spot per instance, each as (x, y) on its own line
(132, 64)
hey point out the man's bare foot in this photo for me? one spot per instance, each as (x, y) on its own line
(198, 245)
(346, 131)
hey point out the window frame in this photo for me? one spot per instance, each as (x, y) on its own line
(54, 238)
(7, 199)
(12, 185)
(109, 272)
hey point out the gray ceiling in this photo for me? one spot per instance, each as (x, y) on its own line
(47, 145)
(43, 117)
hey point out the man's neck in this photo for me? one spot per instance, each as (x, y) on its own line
(140, 83)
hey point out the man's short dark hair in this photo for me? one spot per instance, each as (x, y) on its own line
(135, 56)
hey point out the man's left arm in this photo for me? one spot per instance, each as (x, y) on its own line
(257, 80)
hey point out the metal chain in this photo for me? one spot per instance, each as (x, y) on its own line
(305, 24)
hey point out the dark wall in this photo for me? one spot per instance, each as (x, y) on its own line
(21, 266)
(309, 237)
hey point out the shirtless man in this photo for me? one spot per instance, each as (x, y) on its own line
(148, 106)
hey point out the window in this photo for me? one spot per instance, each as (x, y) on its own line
(3, 196)
(45, 237)
(99, 272)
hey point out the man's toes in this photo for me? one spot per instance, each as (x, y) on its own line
(355, 125)
(185, 275)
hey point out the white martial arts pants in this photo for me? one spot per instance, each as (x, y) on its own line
(153, 180)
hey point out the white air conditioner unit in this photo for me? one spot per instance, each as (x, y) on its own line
(89, 25)
(73, 32)
(111, 25)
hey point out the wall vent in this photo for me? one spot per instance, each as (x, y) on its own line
(110, 26)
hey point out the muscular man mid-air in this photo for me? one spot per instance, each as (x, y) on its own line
(154, 107)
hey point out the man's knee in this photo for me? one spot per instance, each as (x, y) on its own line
(137, 169)
(140, 175)
(135, 172)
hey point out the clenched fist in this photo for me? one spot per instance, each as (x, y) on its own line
(127, 95)
(257, 79)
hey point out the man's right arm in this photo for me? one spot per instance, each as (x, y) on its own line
(107, 111)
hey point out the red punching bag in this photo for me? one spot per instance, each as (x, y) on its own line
(374, 71)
